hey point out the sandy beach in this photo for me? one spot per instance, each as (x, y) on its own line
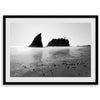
(50, 62)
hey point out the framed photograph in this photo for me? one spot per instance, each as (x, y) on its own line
(50, 50)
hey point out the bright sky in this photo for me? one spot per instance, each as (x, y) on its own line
(23, 33)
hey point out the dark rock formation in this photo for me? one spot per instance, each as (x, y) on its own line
(37, 42)
(59, 42)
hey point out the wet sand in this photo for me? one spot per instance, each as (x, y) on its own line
(51, 62)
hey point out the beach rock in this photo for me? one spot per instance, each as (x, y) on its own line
(59, 42)
(37, 42)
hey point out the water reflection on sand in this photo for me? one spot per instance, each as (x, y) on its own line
(28, 55)
(49, 62)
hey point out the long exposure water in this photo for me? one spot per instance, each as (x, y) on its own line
(23, 59)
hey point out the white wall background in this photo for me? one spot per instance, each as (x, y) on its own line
(42, 7)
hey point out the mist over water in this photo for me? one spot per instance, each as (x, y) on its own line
(27, 54)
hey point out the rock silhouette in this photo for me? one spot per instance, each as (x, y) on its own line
(37, 42)
(59, 42)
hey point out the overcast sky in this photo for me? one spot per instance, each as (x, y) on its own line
(22, 34)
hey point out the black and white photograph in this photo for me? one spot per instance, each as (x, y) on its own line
(50, 49)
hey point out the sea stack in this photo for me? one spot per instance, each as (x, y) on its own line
(37, 41)
(59, 42)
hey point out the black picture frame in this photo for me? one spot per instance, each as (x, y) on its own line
(50, 83)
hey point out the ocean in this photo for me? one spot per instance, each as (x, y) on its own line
(50, 61)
